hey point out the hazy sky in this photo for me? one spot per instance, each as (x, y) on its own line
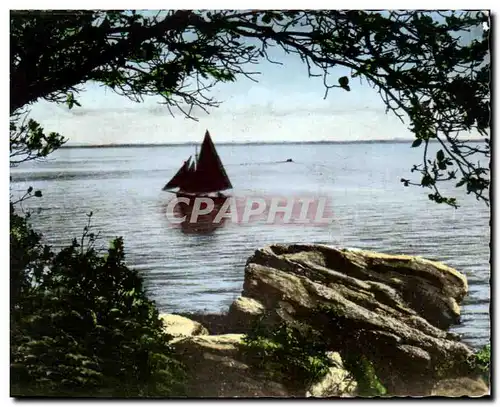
(285, 105)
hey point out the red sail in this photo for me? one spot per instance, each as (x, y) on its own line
(190, 178)
(181, 178)
(210, 175)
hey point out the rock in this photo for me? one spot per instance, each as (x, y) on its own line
(179, 326)
(460, 387)
(338, 382)
(431, 289)
(216, 324)
(243, 313)
(217, 369)
(248, 306)
(391, 308)
(416, 353)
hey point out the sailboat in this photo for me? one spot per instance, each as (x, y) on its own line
(203, 176)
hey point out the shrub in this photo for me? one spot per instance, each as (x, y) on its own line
(364, 373)
(300, 353)
(287, 352)
(81, 323)
(482, 362)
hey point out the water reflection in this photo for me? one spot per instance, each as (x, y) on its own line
(196, 223)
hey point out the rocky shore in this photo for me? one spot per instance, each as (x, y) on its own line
(391, 310)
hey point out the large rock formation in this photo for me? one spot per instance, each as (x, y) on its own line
(392, 309)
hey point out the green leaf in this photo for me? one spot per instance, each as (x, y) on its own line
(440, 155)
(416, 142)
(38, 194)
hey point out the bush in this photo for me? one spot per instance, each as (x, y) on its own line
(364, 373)
(287, 352)
(482, 362)
(300, 354)
(81, 324)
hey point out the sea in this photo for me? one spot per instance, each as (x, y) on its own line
(204, 272)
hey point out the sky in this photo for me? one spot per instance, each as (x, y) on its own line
(285, 105)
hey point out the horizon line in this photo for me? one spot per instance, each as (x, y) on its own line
(242, 143)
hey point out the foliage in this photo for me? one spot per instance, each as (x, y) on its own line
(28, 140)
(354, 353)
(287, 352)
(364, 373)
(419, 62)
(81, 324)
(299, 355)
(482, 361)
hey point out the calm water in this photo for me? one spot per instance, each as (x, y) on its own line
(189, 272)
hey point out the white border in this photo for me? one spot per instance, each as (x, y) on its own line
(23, 4)
(261, 4)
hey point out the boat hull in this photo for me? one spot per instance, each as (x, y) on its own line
(204, 223)
(218, 200)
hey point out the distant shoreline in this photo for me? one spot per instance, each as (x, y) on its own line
(250, 143)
